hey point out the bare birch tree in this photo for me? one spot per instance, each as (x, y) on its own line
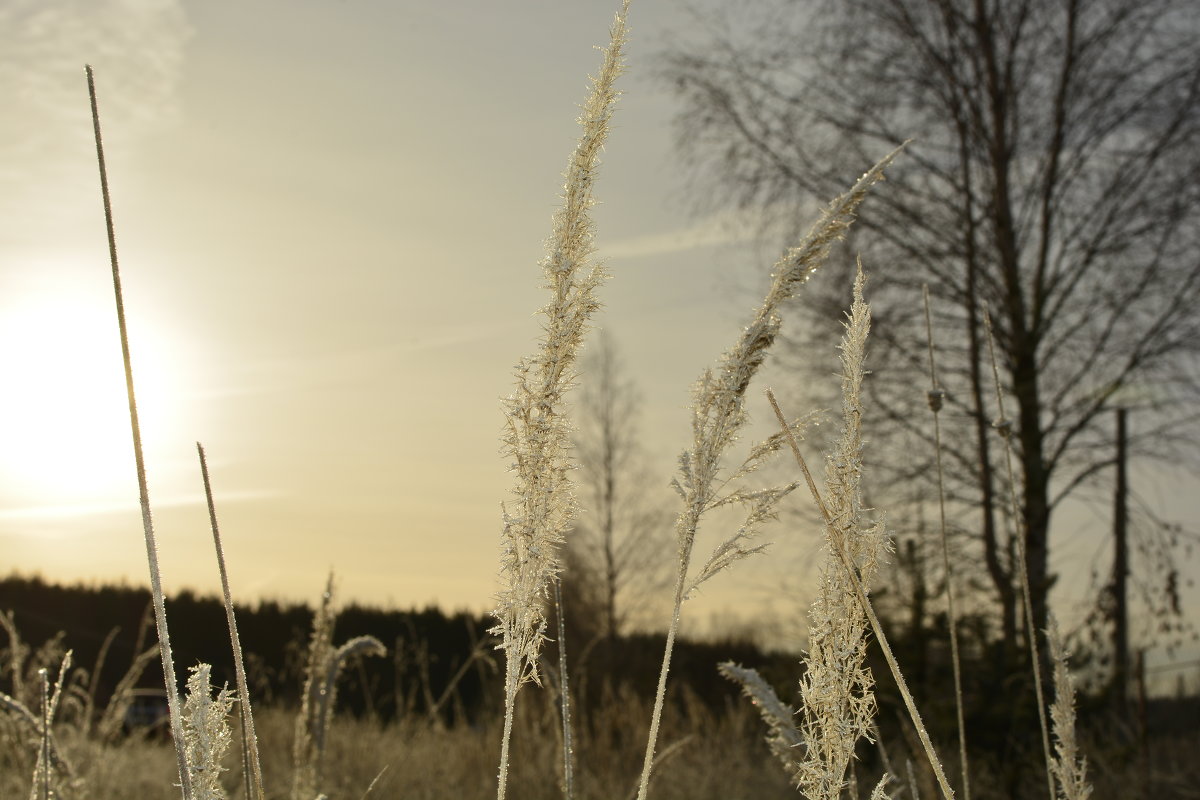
(621, 549)
(1054, 182)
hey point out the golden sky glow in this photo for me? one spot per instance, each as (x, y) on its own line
(329, 218)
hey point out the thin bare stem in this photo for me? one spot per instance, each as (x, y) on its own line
(936, 396)
(44, 756)
(792, 443)
(374, 782)
(505, 738)
(663, 756)
(883, 753)
(247, 781)
(912, 779)
(648, 761)
(1005, 427)
(865, 603)
(94, 680)
(565, 691)
(249, 738)
(160, 608)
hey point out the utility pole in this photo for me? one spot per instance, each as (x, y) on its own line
(1120, 678)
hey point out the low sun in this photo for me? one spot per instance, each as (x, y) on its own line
(64, 420)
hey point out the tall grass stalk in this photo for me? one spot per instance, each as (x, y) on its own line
(1069, 766)
(48, 759)
(936, 397)
(42, 771)
(1004, 426)
(718, 414)
(374, 782)
(307, 743)
(538, 430)
(864, 602)
(323, 668)
(834, 715)
(837, 687)
(160, 608)
(253, 773)
(21, 713)
(564, 686)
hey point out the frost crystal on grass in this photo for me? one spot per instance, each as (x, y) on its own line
(206, 733)
(837, 685)
(718, 415)
(779, 716)
(1069, 768)
(537, 435)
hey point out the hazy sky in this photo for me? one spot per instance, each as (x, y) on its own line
(329, 215)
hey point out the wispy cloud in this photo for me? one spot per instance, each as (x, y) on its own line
(288, 373)
(137, 48)
(731, 226)
(62, 511)
(728, 227)
(713, 231)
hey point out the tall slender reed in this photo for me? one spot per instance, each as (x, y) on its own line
(718, 414)
(538, 430)
(42, 726)
(41, 783)
(318, 700)
(160, 607)
(564, 686)
(308, 738)
(253, 773)
(1004, 426)
(51, 768)
(864, 602)
(836, 687)
(856, 551)
(936, 397)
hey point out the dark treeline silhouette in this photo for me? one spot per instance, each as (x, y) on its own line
(425, 646)
(439, 666)
(442, 669)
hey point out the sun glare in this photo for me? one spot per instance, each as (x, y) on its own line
(64, 424)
